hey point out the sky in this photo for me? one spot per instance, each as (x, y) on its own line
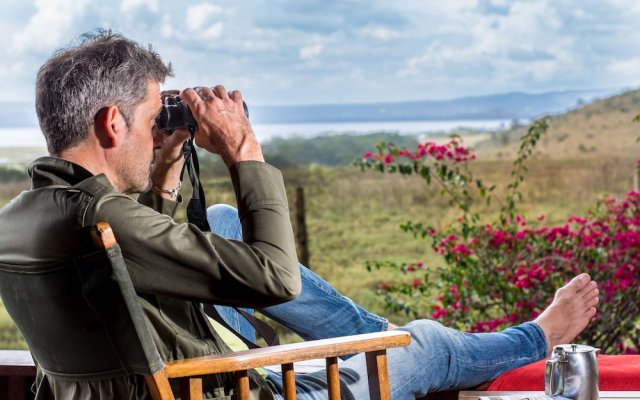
(292, 52)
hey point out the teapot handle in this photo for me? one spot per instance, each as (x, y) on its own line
(550, 370)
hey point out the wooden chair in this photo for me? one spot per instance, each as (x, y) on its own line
(81, 319)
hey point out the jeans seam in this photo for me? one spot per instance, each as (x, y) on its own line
(368, 316)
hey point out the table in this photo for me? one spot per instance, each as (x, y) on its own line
(608, 395)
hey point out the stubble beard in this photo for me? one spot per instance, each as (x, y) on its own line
(149, 183)
(145, 181)
(137, 174)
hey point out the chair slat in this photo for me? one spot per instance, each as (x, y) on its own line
(333, 378)
(242, 385)
(289, 379)
(159, 387)
(378, 375)
(191, 388)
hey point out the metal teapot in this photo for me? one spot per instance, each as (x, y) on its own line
(572, 372)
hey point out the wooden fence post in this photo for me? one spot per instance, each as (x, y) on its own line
(302, 241)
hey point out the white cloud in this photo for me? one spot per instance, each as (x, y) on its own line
(357, 74)
(445, 49)
(12, 70)
(626, 5)
(312, 51)
(259, 45)
(168, 31)
(128, 6)
(378, 32)
(213, 32)
(49, 26)
(629, 68)
(528, 43)
(201, 20)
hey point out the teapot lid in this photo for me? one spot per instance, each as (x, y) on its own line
(573, 348)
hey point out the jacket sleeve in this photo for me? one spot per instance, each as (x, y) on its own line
(167, 258)
(159, 203)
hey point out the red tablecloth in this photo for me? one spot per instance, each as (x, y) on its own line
(619, 372)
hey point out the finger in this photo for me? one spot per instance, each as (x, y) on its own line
(207, 94)
(180, 135)
(236, 96)
(169, 93)
(193, 100)
(221, 92)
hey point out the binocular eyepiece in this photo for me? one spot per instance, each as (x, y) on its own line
(175, 114)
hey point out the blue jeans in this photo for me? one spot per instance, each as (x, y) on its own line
(438, 358)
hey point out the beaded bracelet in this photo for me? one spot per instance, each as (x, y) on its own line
(174, 192)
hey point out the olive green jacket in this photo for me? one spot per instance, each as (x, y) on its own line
(173, 266)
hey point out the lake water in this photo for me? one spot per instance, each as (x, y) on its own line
(32, 138)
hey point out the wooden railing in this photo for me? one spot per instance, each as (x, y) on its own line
(17, 373)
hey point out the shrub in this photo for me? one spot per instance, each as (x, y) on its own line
(504, 272)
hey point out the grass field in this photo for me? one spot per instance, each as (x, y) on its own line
(353, 216)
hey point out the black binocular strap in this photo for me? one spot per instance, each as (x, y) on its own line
(197, 215)
(197, 207)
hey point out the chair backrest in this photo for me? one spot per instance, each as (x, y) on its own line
(80, 316)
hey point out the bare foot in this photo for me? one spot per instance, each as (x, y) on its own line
(572, 308)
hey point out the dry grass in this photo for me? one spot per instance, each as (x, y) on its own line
(11, 189)
(353, 217)
(604, 128)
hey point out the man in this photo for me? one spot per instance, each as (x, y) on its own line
(97, 103)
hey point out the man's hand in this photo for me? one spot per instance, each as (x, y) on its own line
(223, 128)
(169, 159)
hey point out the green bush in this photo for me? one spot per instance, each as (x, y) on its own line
(10, 337)
(499, 271)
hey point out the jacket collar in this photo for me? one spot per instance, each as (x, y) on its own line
(47, 171)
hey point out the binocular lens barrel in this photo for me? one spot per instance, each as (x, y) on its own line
(175, 114)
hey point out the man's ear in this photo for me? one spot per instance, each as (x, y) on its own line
(110, 127)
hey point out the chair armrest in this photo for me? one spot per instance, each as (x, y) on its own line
(287, 353)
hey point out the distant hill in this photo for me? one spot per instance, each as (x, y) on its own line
(602, 128)
(498, 106)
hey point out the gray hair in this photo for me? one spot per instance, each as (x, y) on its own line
(75, 83)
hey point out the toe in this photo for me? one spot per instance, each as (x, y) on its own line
(589, 290)
(592, 302)
(579, 282)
